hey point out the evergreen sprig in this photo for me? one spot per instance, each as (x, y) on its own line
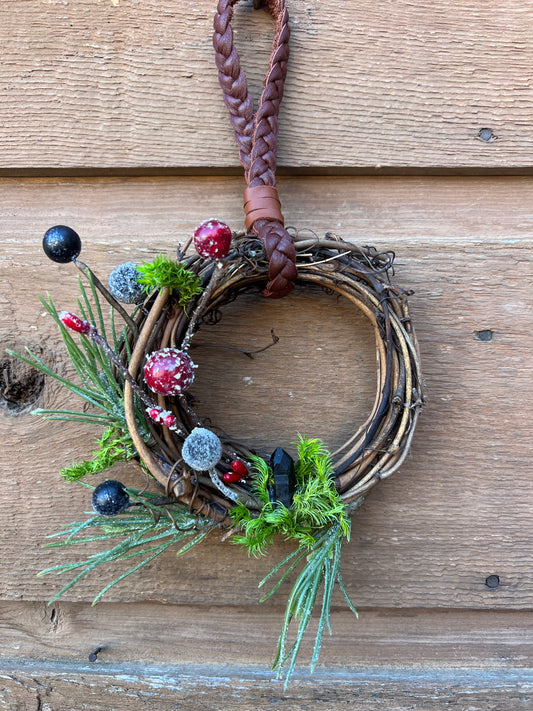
(99, 384)
(146, 530)
(165, 272)
(319, 522)
(113, 447)
(321, 569)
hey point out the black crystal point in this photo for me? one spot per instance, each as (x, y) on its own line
(110, 498)
(284, 476)
(61, 244)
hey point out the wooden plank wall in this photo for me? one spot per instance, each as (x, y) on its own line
(406, 125)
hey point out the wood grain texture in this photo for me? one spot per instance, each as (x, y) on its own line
(210, 635)
(460, 508)
(199, 658)
(91, 84)
(36, 687)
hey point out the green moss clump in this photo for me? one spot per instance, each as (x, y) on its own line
(165, 272)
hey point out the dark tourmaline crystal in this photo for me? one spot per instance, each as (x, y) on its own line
(284, 477)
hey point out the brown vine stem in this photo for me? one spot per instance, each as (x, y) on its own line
(194, 500)
(218, 273)
(137, 356)
(87, 271)
(248, 354)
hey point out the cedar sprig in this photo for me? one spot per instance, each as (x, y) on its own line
(114, 446)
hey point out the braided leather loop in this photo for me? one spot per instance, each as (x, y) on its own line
(257, 138)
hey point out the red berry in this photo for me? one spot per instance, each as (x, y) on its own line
(75, 323)
(155, 413)
(212, 239)
(169, 371)
(231, 477)
(169, 421)
(239, 468)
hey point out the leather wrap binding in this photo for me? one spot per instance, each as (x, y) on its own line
(261, 202)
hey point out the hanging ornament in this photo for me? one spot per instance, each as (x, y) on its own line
(140, 378)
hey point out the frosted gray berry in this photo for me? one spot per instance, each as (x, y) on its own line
(124, 286)
(202, 449)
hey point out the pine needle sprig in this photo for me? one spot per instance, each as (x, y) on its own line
(99, 384)
(321, 569)
(146, 529)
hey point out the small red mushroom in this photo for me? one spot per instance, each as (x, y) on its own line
(212, 239)
(169, 371)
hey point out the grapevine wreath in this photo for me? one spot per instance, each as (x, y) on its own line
(135, 370)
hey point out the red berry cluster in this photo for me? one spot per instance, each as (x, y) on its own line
(239, 471)
(163, 417)
(75, 323)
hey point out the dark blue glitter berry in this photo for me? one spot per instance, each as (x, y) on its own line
(124, 286)
(110, 498)
(61, 244)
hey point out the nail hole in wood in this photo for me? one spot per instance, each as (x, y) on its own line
(485, 335)
(492, 581)
(486, 135)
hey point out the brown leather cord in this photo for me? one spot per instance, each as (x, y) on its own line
(261, 202)
(257, 137)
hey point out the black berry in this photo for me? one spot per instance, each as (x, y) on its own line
(110, 498)
(61, 244)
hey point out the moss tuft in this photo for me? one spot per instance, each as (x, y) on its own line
(165, 272)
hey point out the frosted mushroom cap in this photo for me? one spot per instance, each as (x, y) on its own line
(212, 239)
(202, 449)
(169, 371)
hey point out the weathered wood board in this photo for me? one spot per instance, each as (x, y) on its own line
(459, 510)
(132, 85)
(390, 660)
(59, 688)
(111, 121)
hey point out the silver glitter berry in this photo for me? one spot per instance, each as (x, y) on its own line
(202, 449)
(124, 286)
